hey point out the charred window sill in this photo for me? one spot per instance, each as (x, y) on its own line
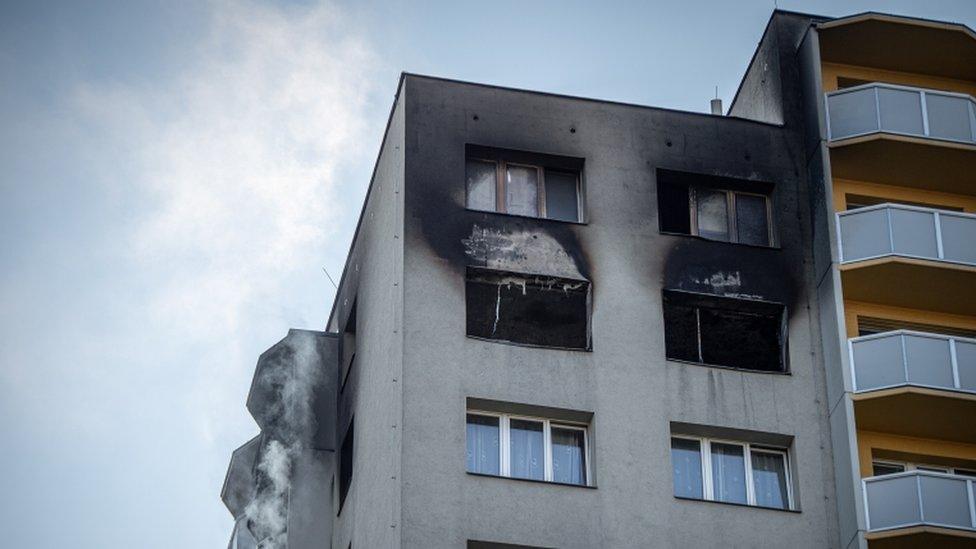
(733, 368)
(532, 480)
(534, 218)
(531, 345)
(733, 504)
(703, 239)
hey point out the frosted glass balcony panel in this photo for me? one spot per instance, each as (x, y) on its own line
(913, 232)
(948, 117)
(929, 361)
(958, 238)
(901, 111)
(853, 113)
(878, 362)
(945, 501)
(893, 502)
(865, 234)
(966, 365)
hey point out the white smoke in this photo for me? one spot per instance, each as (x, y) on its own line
(294, 373)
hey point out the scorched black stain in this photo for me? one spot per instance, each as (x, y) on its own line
(445, 224)
(723, 269)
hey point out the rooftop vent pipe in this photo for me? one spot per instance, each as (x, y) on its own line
(717, 106)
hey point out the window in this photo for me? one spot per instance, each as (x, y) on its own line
(731, 472)
(888, 467)
(721, 331)
(527, 447)
(867, 325)
(346, 463)
(520, 183)
(715, 208)
(348, 345)
(530, 310)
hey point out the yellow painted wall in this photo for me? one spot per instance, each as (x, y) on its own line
(919, 450)
(831, 71)
(854, 308)
(843, 187)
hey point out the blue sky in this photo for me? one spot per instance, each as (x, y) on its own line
(175, 175)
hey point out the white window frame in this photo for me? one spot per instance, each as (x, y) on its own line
(925, 467)
(730, 209)
(501, 187)
(708, 490)
(505, 443)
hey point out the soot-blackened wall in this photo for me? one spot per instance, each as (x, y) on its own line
(625, 381)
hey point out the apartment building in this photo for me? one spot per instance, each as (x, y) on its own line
(895, 249)
(574, 323)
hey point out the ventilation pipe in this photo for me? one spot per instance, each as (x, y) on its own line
(716, 104)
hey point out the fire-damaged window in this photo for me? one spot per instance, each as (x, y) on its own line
(716, 208)
(528, 309)
(521, 183)
(346, 463)
(720, 331)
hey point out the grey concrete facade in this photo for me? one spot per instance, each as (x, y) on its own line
(413, 371)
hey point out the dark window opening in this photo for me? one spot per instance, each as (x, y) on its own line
(855, 201)
(348, 345)
(521, 183)
(527, 309)
(722, 331)
(715, 208)
(867, 325)
(848, 82)
(346, 463)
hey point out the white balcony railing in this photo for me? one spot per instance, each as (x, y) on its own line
(904, 110)
(919, 498)
(908, 231)
(903, 357)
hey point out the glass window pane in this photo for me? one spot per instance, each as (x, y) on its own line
(769, 480)
(751, 223)
(686, 467)
(901, 111)
(886, 468)
(522, 190)
(561, 195)
(483, 448)
(852, 113)
(527, 457)
(966, 363)
(728, 473)
(713, 214)
(568, 456)
(965, 472)
(481, 184)
(948, 117)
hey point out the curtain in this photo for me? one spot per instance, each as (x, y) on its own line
(483, 450)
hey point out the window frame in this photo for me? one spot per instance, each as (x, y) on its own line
(501, 187)
(505, 445)
(708, 489)
(730, 212)
(925, 467)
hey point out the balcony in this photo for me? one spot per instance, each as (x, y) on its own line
(902, 135)
(895, 254)
(933, 508)
(915, 384)
(901, 110)
(907, 231)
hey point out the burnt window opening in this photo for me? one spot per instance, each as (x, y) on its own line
(528, 309)
(522, 183)
(348, 345)
(715, 208)
(720, 331)
(346, 463)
